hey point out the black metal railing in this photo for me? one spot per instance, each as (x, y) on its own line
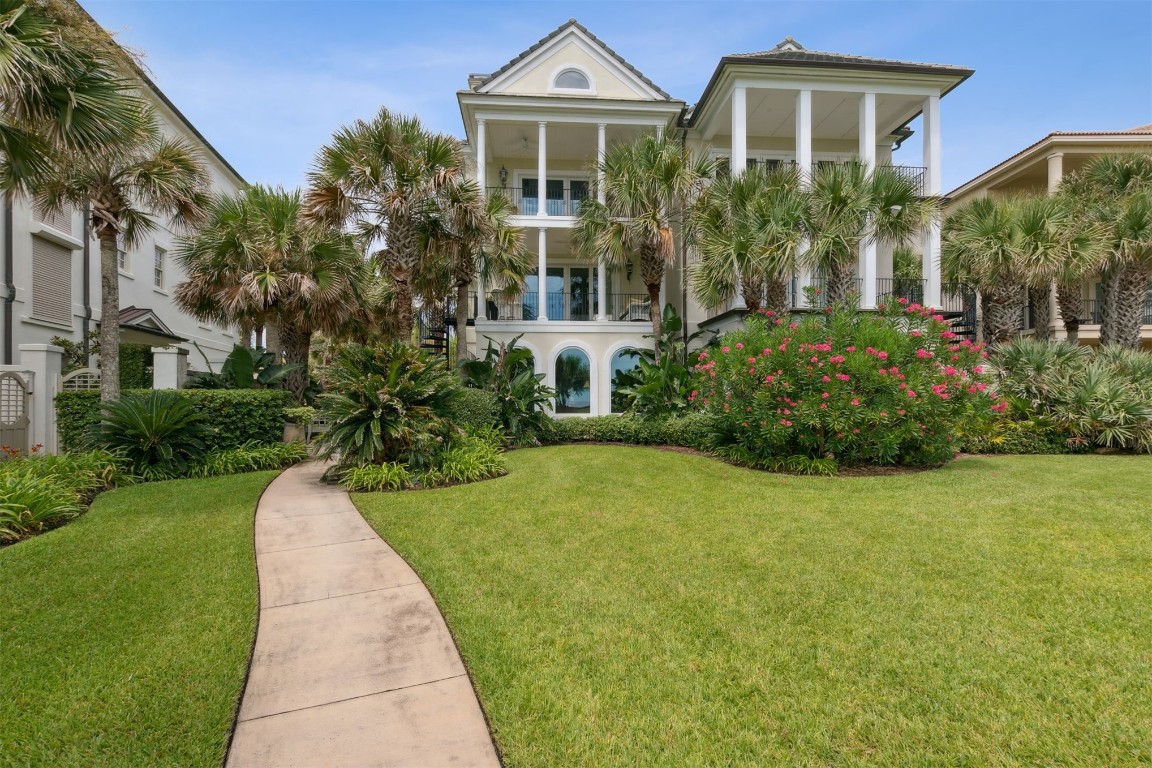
(817, 292)
(563, 306)
(557, 202)
(896, 288)
(913, 173)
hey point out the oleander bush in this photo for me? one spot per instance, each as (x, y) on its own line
(845, 388)
(1091, 397)
(233, 416)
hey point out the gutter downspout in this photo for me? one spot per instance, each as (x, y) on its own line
(86, 283)
(9, 284)
(684, 262)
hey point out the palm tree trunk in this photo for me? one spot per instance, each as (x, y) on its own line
(245, 327)
(1125, 307)
(109, 317)
(1041, 316)
(296, 343)
(462, 353)
(841, 281)
(1109, 284)
(777, 298)
(1070, 300)
(1003, 312)
(652, 269)
(402, 255)
(752, 291)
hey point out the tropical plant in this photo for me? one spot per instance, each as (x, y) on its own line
(648, 185)
(661, 386)
(245, 368)
(256, 261)
(507, 371)
(126, 188)
(301, 416)
(387, 404)
(250, 457)
(160, 433)
(1115, 192)
(849, 388)
(62, 90)
(389, 476)
(382, 180)
(748, 230)
(850, 205)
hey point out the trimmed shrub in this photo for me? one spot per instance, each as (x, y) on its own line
(841, 389)
(301, 415)
(692, 430)
(233, 416)
(475, 408)
(376, 477)
(135, 366)
(1008, 435)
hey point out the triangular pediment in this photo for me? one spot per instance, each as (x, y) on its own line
(571, 62)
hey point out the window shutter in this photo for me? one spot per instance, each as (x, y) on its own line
(60, 220)
(51, 282)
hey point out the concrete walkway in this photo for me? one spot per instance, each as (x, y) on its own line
(353, 664)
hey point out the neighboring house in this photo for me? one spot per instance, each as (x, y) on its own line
(537, 125)
(52, 280)
(1038, 169)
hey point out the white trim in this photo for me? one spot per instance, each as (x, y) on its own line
(553, 88)
(47, 232)
(593, 375)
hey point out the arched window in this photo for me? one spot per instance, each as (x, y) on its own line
(624, 362)
(572, 79)
(573, 382)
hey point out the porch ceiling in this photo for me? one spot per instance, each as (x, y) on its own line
(835, 116)
(566, 141)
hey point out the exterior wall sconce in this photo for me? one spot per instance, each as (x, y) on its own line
(503, 176)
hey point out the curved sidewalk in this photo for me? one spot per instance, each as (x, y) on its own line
(353, 664)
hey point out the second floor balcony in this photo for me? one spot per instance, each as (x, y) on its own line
(560, 199)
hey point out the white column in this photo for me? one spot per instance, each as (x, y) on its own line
(166, 368)
(804, 165)
(482, 155)
(739, 130)
(45, 362)
(1055, 171)
(601, 266)
(931, 257)
(542, 274)
(659, 131)
(542, 174)
(867, 269)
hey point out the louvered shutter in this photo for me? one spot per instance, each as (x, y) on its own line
(51, 282)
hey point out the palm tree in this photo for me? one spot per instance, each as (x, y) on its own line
(126, 187)
(646, 182)
(255, 261)
(61, 89)
(382, 179)
(851, 205)
(473, 236)
(1115, 191)
(747, 230)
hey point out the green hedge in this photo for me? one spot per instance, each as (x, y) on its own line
(475, 408)
(236, 416)
(135, 366)
(691, 431)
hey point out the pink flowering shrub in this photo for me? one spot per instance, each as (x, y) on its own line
(841, 389)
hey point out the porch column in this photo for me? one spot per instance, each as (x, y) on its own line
(601, 265)
(542, 176)
(739, 130)
(1055, 171)
(932, 188)
(166, 367)
(482, 181)
(867, 269)
(542, 274)
(482, 156)
(804, 166)
(45, 361)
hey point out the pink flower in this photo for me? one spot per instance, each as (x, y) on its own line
(851, 349)
(824, 395)
(739, 345)
(923, 353)
(785, 422)
(724, 350)
(902, 300)
(825, 379)
(915, 333)
(843, 377)
(882, 355)
(911, 393)
(823, 406)
(836, 359)
(855, 401)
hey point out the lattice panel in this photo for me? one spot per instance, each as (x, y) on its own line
(84, 379)
(12, 401)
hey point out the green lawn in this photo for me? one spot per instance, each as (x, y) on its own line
(628, 606)
(125, 635)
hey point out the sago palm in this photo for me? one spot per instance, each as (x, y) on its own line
(850, 205)
(127, 188)
(648, 184)
(381, 179)
(747, 231)
(256, 261)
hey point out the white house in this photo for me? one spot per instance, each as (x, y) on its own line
(51, 282)
(550, 112)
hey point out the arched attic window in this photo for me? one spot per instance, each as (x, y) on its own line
(572, 80)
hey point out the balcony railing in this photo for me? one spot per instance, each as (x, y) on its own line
(912, 173)
(565, 202)
(1093, 313)
(563, 306)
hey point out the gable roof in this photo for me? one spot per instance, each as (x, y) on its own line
(791, 53)
(476, 82)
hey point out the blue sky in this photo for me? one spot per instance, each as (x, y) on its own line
(268, 81)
